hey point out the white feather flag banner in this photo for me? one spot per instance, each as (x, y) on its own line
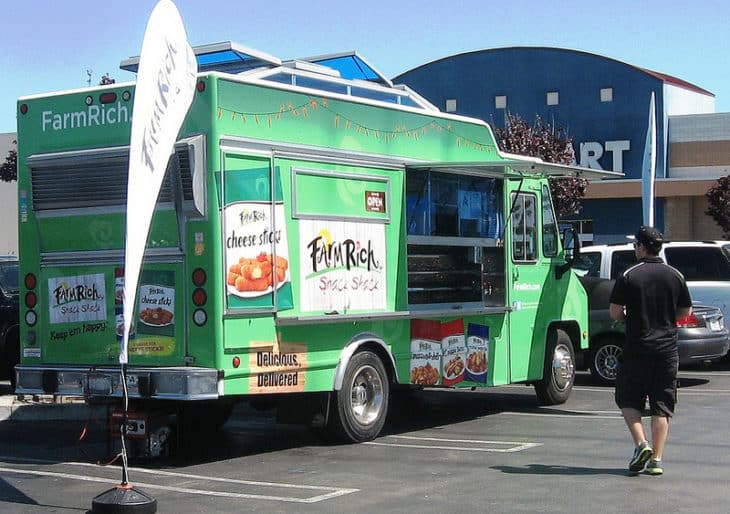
(164, 91)
(648, 171)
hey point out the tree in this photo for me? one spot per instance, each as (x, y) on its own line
(9, 169)
(718, 199)
(551, 145)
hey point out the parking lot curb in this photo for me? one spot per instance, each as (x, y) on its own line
(41, 408)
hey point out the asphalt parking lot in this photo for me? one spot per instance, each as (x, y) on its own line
(441, 451)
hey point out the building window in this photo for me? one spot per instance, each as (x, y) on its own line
(500, 102)
(607, 94)
(552, 98)
(451, 105)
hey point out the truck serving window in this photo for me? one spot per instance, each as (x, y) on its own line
(454, 225)
(446, 205)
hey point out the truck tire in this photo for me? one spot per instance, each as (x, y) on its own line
(559, 370)
(605, 353)
(205, 415)
(361, 405)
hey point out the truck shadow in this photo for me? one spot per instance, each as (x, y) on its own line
(250, 432)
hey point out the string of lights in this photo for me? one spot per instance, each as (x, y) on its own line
(385, 135)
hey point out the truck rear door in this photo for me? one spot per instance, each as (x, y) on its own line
(78, 212)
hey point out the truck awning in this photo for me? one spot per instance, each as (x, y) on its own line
(516, 166)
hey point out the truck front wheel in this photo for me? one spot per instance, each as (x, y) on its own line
(559, 370)
(361, 405)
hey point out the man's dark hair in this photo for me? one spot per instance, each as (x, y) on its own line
(651, 238)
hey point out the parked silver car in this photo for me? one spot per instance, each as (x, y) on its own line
(701, 336)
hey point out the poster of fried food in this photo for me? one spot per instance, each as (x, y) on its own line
(257, 255)
(155, 320)
(425, 362)
(453, 348)
(477, 352)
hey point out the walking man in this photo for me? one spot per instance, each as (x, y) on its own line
(649, 297)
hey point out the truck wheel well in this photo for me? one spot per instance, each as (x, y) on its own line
(373, 344)
(384, 356)
(572, 329)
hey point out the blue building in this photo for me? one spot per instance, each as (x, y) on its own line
(603, 105)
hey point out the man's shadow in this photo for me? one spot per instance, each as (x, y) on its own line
(547, 469)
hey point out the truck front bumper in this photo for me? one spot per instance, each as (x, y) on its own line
(169, 383)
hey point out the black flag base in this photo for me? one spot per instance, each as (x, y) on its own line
(123, 499)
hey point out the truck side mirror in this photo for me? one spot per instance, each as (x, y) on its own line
(571, 246)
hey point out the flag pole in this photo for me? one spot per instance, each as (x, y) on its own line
(163, 93)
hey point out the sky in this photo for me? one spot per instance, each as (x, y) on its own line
(52, 45)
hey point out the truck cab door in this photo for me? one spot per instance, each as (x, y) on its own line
(533, 293)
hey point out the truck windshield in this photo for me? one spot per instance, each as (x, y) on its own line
(698, 264)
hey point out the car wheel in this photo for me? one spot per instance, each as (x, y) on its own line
(605, 354)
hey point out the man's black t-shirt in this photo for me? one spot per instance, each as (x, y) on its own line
(651, 292)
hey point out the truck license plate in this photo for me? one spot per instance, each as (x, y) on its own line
(100, 384)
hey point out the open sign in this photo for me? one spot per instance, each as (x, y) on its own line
(375, 201)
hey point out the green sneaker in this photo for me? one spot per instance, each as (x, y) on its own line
(654, 467)
(642, 454)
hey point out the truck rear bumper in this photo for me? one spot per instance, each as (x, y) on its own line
(170, 383)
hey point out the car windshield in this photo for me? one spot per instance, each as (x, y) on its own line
(9, 277)
(699, 264)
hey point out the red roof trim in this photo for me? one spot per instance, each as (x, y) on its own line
(669, 79)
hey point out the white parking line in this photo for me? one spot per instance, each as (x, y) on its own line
(701, 392)
(514, 446)
(703, 374)
(566, 415)
(326, 492)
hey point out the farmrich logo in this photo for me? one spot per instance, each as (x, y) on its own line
(93, 116)
(77, 298)
(252, 216)
(328, 254)
(65, 293)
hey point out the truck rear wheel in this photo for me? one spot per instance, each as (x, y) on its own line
(361, 405)
(205, 415)
(559, 370)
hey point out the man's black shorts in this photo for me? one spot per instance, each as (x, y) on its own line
(652, 375)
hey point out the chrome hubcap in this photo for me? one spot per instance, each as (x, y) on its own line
(563, 367)
(366, 395)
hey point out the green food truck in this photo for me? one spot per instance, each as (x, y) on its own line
(322, 238)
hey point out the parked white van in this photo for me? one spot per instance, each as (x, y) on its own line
(704, 264)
